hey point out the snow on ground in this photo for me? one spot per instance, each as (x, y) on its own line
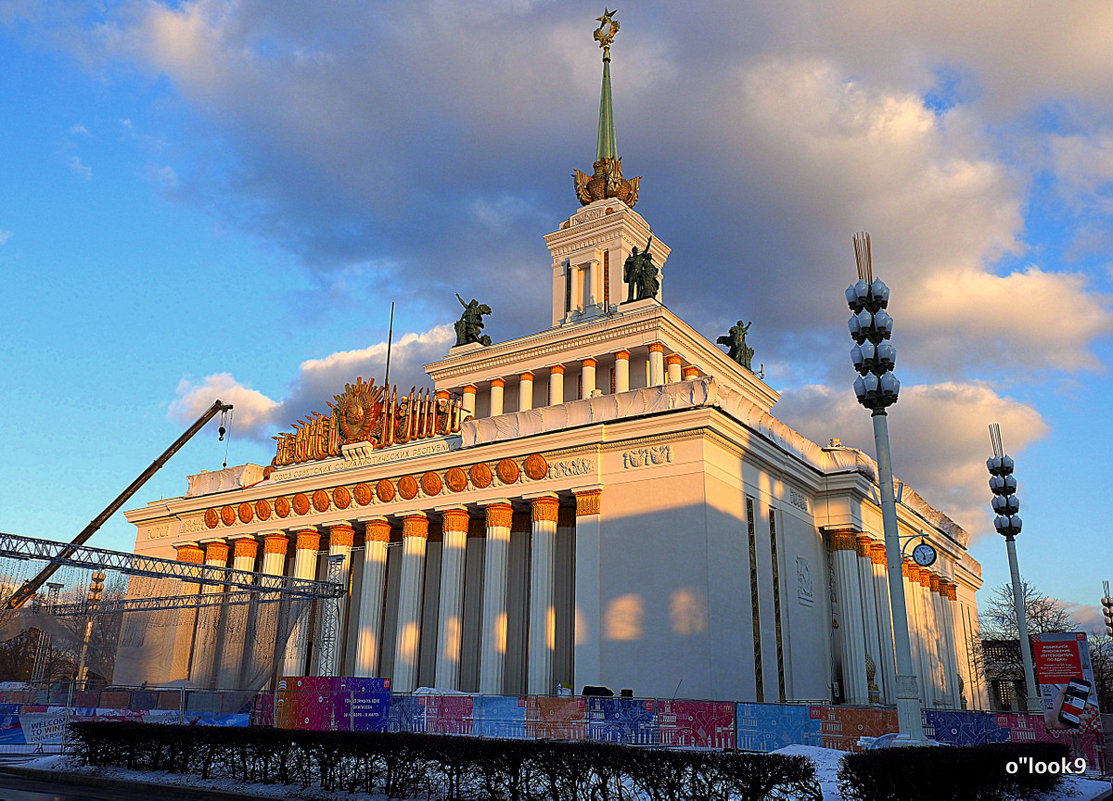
(826, 762)
(1073, 788)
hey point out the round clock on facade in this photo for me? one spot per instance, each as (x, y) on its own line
(924, 554)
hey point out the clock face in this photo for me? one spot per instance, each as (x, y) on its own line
(923, 554)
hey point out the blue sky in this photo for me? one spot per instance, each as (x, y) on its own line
(222, 198)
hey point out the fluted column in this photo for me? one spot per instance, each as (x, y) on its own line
(371, 596)
(869, 615)
(949, 592)
(492, 648)
(542, 613)
(587, 656)
(468, 403)
(587, 377)
(208, 625)
(525, 392)
(656, 364)
(411, 588)
(556, 384)
(672, 363)
(187, 618)
(911, 572)
(931, 654)
(450, 620)
(690, 372)
(887, 662)
(341, 535)
(949, 696)
(564, 589)
(306, 543)
(262, 648)
(498, 387)
(234, 629)
(622, 371)
(851, 626)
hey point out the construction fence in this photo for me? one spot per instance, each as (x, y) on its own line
(34, 719)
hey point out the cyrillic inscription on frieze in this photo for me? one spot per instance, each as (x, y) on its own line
(798, 499)
(647, 457)
(192, 525)
(157, 532)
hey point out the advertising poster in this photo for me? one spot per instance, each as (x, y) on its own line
(1066, 678)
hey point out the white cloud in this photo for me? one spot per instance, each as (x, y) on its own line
(316, 382)
(938, 433)
(5, 236)
(80, 130)
(81, 169)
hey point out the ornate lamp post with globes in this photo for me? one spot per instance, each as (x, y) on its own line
(877, 388)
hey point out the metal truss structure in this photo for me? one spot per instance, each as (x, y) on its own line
(241, 586)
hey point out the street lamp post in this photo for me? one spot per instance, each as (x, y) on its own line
(877, 388)
(1007, 522)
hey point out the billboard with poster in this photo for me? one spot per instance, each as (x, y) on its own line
(1066, 677)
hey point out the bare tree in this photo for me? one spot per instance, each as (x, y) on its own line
(997, 656)
(1101, 655)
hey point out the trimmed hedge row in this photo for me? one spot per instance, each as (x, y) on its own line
(448, 768)
(969, 773)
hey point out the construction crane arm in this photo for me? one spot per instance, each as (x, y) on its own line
(31, 586)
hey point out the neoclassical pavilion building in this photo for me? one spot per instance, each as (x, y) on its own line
(609, 501)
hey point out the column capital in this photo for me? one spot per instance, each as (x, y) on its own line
(470, 389)
(933, 582)
(877, 553)
(340, 534)
(498, 382)
(275, 542)
(588, 500)
(862, 545)
(556, 369)
(378, 529)
(500, 514)
(588, 362)
(454, 518)
(622, 354)
(673, 358)
(843, 540)
(307, 539)
(190, 553)
(544, 507)
(415, 524)
(906, 568)
(216, 551)
(244, 546)
(526, 376)
(656, 347)
(691, 372)
(952, 591)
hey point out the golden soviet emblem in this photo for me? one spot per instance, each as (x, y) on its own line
(608, 27)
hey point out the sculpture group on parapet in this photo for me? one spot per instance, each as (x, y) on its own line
(737, 348)
(470, 324)
(640, 274)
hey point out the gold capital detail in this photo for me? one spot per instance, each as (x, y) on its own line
(622, 354)
(308, 540)
(588, 362)
(526, 376)
(499, 515)
(933, 583)
(378, 531)
(862, 543)
(244, 546)
(342, 534)
(556, 369)
(952, 591)
(842, 540)
(497, 382)
(656, 347)
(216, 552)
(455, 520)
(545, 509)
(925, 578)
(906, 569)
(275, 543)
(691, 372)
(587, 502)
(877, 553)
(672, 358)
(415, 526)
(190, 554)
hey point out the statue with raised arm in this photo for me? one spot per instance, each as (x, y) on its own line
(640, 274)
(737, 348)
(470, 324)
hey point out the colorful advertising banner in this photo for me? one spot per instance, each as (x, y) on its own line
(1066, 677)
(332, 703)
